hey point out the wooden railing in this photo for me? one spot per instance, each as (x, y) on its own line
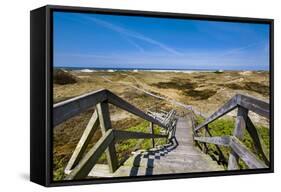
(244, 104)
(80, 164)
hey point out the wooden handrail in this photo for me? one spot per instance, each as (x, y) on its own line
(238, 150)
(82, 169)
(83, 143)
(79, 166)
(258, 106)
(90, 159)
(227, 107)
(245, 154)
(71, 107)
(224, 140)
(121, 103)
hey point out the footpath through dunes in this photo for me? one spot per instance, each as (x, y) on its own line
(165, 98)
(180, 156)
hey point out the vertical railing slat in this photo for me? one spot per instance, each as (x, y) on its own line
(105, 124)
(240, 126)
(152, 132)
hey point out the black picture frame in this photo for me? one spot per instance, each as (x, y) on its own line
(41, 61)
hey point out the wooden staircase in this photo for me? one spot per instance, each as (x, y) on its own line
(179, 156)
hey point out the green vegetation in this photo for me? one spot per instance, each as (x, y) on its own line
(188, 88)
(225, 127)
(123, 148)
(200, 95)
(62, 77)
(197, 89)
(250, 86)
(180, 84)
(218, 72)
(257, 87)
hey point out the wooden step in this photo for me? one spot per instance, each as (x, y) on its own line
(165, 159)
(101, 170)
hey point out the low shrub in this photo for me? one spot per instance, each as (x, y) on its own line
(62, 77)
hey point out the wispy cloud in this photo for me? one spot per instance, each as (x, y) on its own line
(132, 42)
(239, 49)
(129, 34)
(207, 59)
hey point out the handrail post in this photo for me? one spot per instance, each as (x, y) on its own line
(152, 132)
(105, 124)
(240, 126)
(205, 148)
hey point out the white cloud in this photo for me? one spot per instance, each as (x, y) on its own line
(132, 34)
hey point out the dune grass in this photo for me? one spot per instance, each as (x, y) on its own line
(123, 149)
(224, 127)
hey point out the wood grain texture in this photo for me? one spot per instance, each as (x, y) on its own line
(105, 125)
(245, 154)
(256, 105)
(238, 132)
(227, 107)
(69, 108)
(224, 140)
(152, 132)
(82, 170)
(83, 142)
(258, 142)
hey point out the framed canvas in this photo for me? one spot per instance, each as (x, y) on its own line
(123, 95)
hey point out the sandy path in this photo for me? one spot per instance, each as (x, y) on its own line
(172, 101)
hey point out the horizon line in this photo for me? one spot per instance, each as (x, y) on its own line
(129, 68)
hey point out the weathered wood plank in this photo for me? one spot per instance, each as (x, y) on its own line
(69, 108)
(204, 133)
(152, 132)
(230, 105)
(82, 170)
(258, 106)
(166, 120)
(221, 155)
(83, 143)
(105, 124)
(165, 112)
(122, 135)
(245, 154)
(238, 132)
(117, 101)
(258, 142)
(224, 140)
(156, 116)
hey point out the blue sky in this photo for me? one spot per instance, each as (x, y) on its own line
(107, 41)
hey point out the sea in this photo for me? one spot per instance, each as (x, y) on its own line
(90, 69)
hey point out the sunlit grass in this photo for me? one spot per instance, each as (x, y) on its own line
(225, 127)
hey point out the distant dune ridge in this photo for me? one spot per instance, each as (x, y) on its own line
(205, 91)
(63, 77)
